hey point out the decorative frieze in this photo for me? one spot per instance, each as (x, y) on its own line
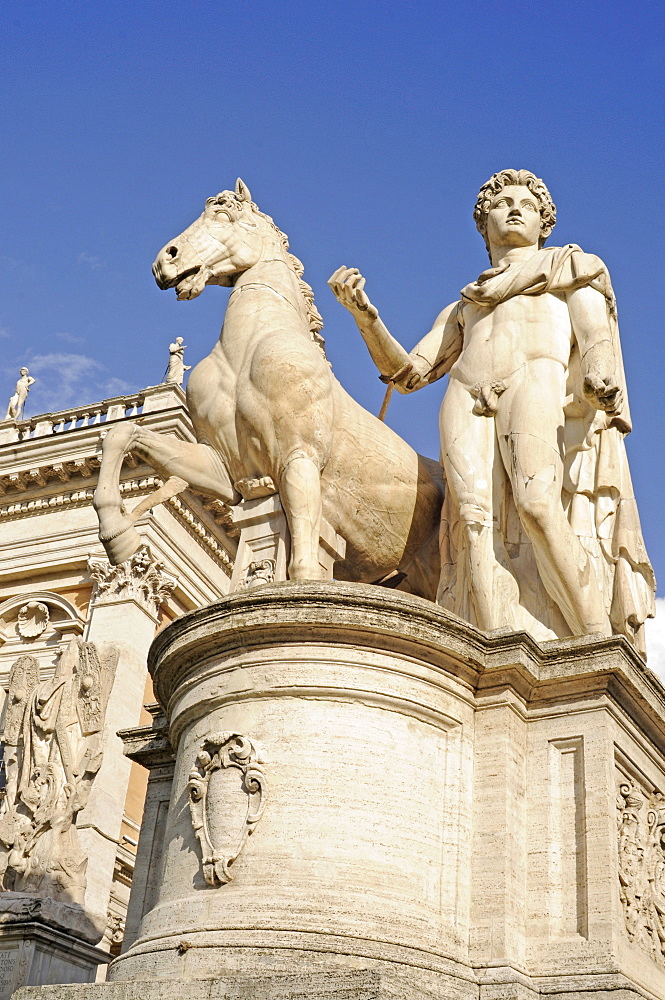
(73, 497)
(641, 832)
(199, 529)
(214, 804)
(39, 476)
(142, 577)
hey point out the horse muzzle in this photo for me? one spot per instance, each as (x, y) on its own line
(165, 271)
(168, 272)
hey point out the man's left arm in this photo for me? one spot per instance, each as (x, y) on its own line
(590, 321)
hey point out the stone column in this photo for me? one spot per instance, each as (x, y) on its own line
(124, 611)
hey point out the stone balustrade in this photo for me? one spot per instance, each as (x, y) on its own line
(45, 424)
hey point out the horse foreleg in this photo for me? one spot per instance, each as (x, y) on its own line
(300, 493)
(198, 464)
(179, 463)
(116, 532)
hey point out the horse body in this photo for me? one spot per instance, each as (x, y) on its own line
(265, 405)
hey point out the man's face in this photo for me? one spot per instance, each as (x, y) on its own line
(514, 218)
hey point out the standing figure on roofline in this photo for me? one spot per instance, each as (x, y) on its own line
(540, 529)
(176, 368)
(16, 404)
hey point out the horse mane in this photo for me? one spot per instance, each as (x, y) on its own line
(313, 315)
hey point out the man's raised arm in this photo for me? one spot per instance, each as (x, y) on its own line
(431, 358)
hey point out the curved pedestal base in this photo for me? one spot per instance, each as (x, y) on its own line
(374, 799)
(359, 743)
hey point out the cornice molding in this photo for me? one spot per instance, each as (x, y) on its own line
(24, 507)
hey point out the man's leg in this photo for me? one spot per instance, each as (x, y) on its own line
(529, 428)
(469, 452)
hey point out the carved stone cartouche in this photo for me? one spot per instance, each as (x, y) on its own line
(220, 751)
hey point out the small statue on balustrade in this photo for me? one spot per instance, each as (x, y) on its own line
(175, 373)
(17, 401)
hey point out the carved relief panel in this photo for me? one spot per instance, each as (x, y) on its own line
(641, 837)
(53, 750)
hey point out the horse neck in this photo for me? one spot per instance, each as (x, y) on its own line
(273, 280)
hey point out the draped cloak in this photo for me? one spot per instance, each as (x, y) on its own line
(597, 492)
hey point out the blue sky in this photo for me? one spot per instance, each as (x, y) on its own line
(364, 129)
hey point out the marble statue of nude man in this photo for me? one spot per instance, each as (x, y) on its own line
(535, 370)
(17, 401)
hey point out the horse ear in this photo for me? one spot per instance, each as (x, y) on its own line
(242, 191)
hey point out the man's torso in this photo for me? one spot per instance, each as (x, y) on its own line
(501, 342)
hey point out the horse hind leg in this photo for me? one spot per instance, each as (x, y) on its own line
(300, 493)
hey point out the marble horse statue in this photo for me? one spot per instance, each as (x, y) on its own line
(270, 416)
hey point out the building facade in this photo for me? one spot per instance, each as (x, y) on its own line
(56, 585)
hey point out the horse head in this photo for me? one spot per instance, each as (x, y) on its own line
(227, 238)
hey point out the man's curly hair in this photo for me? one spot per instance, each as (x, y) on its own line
(502, 179)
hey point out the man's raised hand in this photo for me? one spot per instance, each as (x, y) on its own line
(348, 286)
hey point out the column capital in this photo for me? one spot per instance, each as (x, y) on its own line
(141, 578)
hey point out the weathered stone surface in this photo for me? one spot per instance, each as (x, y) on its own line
(360, 984)
(18, 908)
(34, 952)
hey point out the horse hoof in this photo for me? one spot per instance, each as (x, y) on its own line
(123, 546)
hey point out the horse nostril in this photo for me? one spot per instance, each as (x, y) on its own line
(172, 252)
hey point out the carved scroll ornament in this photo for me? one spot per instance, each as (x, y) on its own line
(641, 831)
(220, 751)
(258, 573)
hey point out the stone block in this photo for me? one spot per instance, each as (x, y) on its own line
(264, 545)
(35, 953)
(356, 985)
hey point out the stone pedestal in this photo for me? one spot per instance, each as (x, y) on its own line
(265, 543)
(43, 941)
(372, 798)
